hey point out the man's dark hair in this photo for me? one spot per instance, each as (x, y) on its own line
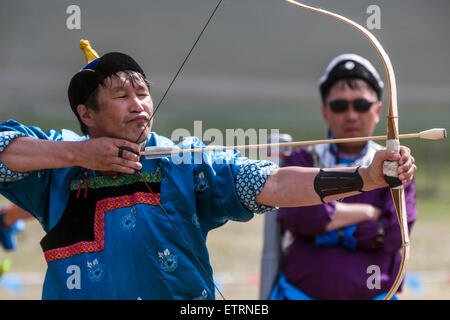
(352, 83)
(350, 66)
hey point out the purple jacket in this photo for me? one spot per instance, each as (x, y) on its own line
(336, 272)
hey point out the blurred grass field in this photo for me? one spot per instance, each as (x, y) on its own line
(236, 248)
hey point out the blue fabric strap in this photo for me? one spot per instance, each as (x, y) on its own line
(348, 240)
(331, 238)
(283, 290)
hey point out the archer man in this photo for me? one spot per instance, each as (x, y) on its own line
(123, 227)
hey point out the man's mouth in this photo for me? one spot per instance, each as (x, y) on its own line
(352, 130)
(140, 118)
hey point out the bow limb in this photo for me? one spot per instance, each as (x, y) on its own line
(398, 193)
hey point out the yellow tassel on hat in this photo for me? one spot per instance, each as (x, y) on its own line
(89, 53)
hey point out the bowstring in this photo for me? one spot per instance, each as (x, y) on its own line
(148, 123)
(180, 68)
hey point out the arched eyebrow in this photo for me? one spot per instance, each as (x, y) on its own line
(121, 87)
(141, 86)
(117, 88)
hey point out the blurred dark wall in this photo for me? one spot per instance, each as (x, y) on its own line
(257, 55)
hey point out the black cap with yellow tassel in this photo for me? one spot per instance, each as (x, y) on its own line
(97, 69)
(89, 53)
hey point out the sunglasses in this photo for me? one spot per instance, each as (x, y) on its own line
(359, 105)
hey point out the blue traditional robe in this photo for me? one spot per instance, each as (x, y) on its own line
(109, 238)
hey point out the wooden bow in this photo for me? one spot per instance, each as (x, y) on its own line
(398, 193)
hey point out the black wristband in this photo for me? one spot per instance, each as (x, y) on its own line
(328, 183)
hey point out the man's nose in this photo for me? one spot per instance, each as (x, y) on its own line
(351, 113)
(136, 105)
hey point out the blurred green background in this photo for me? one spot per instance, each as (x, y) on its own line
(257, 66)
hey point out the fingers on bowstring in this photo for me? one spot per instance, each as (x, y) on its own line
(127, 145)
(128, 154)
(127, 151)
(122, 169)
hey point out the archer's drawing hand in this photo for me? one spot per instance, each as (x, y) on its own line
(103, 154)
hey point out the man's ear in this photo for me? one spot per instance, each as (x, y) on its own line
(86, 115)
(379, 108)
(324, 114)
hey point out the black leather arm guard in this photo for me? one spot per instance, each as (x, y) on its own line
(328, 183)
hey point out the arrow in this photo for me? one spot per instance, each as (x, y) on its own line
(162, 152)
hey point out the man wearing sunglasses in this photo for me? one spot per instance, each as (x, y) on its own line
(348, 249)
(351, 101)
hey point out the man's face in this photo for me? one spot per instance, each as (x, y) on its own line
(351, 123)
(124, 109)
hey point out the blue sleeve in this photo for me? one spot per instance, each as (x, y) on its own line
(30, 190)
(7, 175)
(250, 181)
(219, 197)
